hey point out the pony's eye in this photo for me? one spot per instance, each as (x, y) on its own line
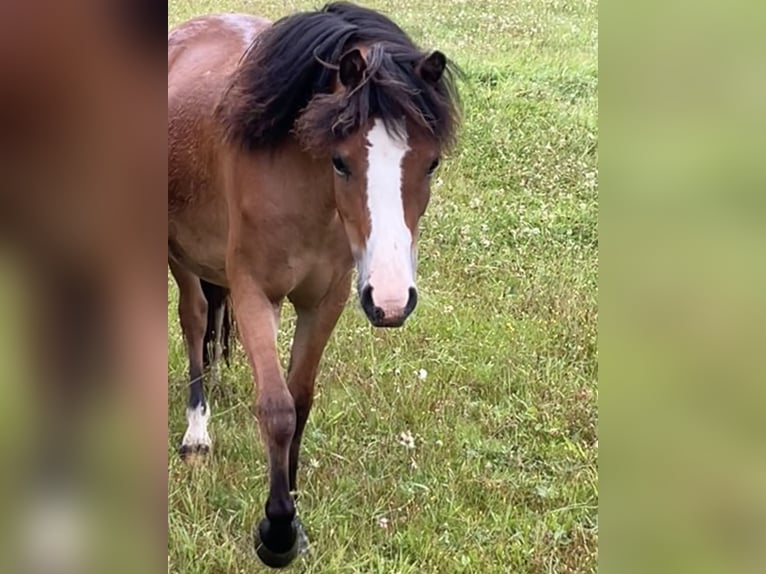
(433, 166)
(340, 166)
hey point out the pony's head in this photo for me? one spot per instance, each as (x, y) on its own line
(383, 149)
(361, 97)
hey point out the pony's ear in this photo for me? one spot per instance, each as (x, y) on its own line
(432, 67)
(351, 69)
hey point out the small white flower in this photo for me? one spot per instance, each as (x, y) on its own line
(407, 440)
(314, 463)
(383, 522)
(439, 443)
(422, 374)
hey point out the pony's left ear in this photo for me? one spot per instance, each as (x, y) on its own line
(432, 67)
(351, 69)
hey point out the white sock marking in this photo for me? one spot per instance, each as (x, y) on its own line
(196, 431)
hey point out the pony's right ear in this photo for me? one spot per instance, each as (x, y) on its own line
(351, 69)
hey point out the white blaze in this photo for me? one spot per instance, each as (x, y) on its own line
(388, 261)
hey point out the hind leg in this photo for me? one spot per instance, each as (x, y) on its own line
(216, 337)
(192, 311)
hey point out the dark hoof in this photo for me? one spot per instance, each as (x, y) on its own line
(280, 558)
(193, 454)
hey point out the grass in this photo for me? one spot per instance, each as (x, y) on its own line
(467, 441)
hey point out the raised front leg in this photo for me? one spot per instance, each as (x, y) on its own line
(279, 535)
(314, 326)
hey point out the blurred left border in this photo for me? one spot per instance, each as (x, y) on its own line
(83, 287)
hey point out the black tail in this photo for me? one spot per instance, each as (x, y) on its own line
(217, 300)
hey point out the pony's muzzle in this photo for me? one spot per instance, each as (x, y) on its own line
(387, 313)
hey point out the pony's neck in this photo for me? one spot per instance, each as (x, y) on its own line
(316, 178)
(295, 179)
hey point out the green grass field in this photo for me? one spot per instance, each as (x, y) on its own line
(466, 441)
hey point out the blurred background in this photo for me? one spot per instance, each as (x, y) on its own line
(681, 229)
(82, 264)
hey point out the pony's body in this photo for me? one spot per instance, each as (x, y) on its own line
(202, 55)
(286, 195)
(294, 151)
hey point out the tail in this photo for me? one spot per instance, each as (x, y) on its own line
(219, 316)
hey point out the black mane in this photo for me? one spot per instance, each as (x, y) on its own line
(285, 81)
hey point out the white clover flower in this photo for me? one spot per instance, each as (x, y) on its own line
(407, 440)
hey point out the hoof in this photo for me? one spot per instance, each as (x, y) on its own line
(274, 559)
(194, 454)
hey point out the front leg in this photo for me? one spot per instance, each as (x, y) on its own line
(315, 323)
(278, 534)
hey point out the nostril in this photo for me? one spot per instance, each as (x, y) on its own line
(411, 302)
(374, 312)
(366, 298)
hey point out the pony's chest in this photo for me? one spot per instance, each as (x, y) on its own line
(293, 254)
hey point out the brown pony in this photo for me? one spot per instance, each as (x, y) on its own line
(296, 150)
